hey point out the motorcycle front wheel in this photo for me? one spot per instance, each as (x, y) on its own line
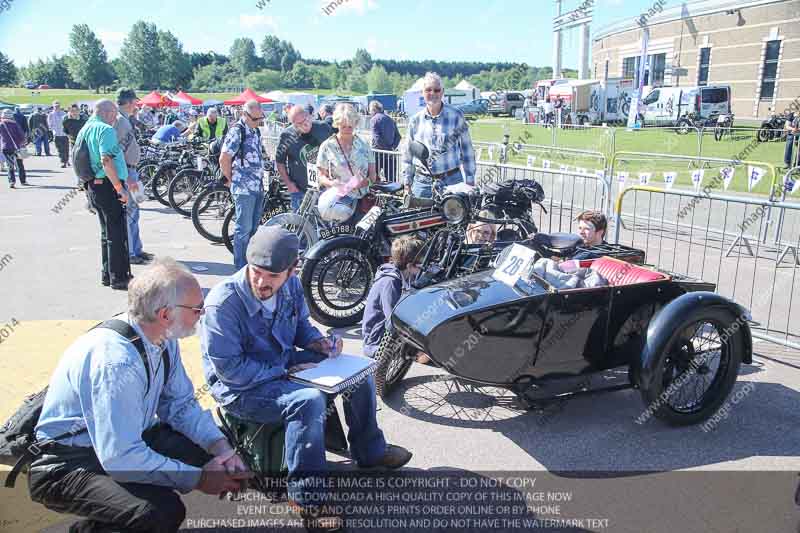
(336, 285)
(394, 359)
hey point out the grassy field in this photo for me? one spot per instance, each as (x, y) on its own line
(18, 95)
(741, 145)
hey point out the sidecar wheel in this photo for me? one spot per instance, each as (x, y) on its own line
(336, 286)
(394, 360)
(698, 367)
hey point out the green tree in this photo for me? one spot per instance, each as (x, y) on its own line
(272, 52)
(52, 72)
(141, 57)
(300, 76)
(8, 72)
(378, 80)
(289, 57)
(362, 61)
(265, 80)
(87, 60)
(356, 81)
(319, 77)
(243, 56)
(215, 77)
(176, 66)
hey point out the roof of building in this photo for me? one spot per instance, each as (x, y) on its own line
(686, 10)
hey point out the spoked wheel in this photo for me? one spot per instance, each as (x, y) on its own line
(394, 358)
(208, 213)
(683, 127)
(160, 183)
(764, 134)
(298, 225)
(718, 132)
(228, 226)
(146, 175)
(698, 369)
(183, 190)
(336, 285)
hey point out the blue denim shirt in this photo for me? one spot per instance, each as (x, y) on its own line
(242, 345)
(100, 383)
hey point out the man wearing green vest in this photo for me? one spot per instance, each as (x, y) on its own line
(212, 126)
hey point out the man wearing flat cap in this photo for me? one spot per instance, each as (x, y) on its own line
(255, 331)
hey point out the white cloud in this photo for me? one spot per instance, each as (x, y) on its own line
(249, 22)
(360, 7)
(111, 38)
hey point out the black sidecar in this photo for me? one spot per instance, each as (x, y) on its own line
(682, 343)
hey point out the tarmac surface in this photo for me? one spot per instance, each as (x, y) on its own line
(581, 465)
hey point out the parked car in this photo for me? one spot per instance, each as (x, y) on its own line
(667, 106)
(30, 85)
(505, 103)
(43, 86)
(475, 107)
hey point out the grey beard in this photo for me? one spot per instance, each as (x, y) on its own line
(176, 332)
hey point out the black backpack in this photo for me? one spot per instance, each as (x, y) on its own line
(81, 161)
(17, 438)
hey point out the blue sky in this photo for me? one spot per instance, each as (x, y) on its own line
(474, 30)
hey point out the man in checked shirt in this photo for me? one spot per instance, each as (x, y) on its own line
(443, 129)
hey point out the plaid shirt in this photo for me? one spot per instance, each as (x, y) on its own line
(447, 137)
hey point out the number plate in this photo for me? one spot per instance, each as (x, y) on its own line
(514, 265)
(313, 180)
(369, 219)
(328, 233)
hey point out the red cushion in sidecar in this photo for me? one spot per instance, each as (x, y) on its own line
(619, 273)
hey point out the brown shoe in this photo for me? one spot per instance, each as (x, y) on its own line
(394, 457)
(316, 518)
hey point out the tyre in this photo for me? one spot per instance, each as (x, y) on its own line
(146, 175)
(683, 127)
(227, 228)
(394, 358)
(160, 183)
(183, 190)
(336, 285)
(208, 213)
(764, 134)
(298, 225)
(698, 368)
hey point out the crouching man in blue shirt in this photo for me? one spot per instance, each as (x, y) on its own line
(145, 435)
(253, 322)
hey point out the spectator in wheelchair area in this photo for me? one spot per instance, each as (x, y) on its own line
(390, 281)
(254, 322)
(146, 436)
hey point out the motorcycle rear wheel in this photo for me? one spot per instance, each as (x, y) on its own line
(394, 361)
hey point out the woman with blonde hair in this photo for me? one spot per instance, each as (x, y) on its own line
(346, 164)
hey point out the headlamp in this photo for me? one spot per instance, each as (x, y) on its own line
(454, 209)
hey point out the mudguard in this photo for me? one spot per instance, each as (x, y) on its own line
(324, 246)
(663, 325)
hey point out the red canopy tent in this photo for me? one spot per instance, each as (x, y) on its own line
(188, 98)
(248, 94)
(154, 99)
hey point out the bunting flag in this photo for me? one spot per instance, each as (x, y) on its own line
(601, 174)
(727, 176)
(531, 161)
(645, 177)
(545, 163)
(670, 178)
(697, 178)
(564, 168)
(795, 186)
(754, 177)
(622, 177)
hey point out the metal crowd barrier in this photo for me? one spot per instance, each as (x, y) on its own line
(716, 238)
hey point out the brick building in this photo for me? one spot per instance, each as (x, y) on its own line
(751, 45)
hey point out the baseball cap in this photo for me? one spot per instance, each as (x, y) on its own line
(273, 248)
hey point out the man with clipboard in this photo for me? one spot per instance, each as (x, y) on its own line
(254, 321)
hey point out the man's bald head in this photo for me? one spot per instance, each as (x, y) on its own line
(106, 110)
(300, 119)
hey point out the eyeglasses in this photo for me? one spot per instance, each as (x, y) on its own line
(430, 90)
(200, 309)
(256, 119)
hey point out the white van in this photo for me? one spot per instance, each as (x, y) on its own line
(665, 106)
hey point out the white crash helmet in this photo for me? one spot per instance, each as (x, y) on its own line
(335, 208)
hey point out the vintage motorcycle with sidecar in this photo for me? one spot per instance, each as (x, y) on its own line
(681, 343)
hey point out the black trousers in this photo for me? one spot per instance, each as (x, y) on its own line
(71, 480)
(11, 157)
(116, 265)
(62, 145)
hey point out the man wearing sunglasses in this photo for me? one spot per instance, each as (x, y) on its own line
(129, 432)
(242, 164)
(443, 129)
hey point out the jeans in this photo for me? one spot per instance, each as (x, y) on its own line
(787, 152)
(62, 145)
(303, 412)
(71, 480)
(297, 199)
(116, 267)
(11, 157)
(134, 241)
(246, 218)
(40, 142)
(422, 189)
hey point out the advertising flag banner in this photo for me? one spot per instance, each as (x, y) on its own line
(727, 176)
